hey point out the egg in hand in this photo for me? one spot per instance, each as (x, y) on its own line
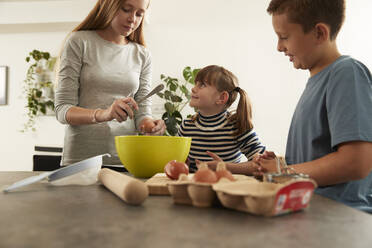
(147, 126)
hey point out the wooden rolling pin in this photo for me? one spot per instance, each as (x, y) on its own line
(132, 191)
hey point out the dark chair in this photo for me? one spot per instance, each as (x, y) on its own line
(115, 168)
(46, 162)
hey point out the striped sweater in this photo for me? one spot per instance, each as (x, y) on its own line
(216, 134)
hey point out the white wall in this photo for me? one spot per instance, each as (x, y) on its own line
(236, 34)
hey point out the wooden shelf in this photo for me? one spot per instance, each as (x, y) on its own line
(37, 27)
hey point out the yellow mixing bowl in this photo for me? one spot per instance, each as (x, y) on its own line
(144, 156)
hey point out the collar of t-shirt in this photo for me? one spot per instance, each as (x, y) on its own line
(212, 122)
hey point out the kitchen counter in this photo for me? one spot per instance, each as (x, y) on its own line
(41, 215)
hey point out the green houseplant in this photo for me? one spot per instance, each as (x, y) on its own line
(177, 96)
(38, 86)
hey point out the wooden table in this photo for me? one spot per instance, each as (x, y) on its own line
(40, 216)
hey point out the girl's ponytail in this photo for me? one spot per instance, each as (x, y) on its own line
(243, 115)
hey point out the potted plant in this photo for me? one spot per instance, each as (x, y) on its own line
(38, 86)
(176, 96)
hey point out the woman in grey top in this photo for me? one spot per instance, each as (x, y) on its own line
(104, 69)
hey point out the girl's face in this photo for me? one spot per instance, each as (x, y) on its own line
(206, 98)
(129, 16)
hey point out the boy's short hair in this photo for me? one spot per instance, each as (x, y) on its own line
(308, 13)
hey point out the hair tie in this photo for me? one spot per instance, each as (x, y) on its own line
(237, 89)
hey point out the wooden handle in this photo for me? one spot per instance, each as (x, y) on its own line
(132, 191)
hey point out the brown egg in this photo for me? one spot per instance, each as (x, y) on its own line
(147, 126)
(221, 171)
(205, 175)
(174, 169)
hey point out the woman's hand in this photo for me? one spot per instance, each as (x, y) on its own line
(149, 126)
(120, 110)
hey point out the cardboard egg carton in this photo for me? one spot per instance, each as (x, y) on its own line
(251, 196)
(192, 193)
(265, 198)
(186, 191)
(158, 184)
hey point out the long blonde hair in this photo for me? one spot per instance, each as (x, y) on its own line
(102, 15)
(224, 80)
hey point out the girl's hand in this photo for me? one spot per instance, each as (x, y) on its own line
(251, 168)
(211, 164)
(120, 110)
(157, 127)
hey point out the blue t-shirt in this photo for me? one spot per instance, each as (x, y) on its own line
(335, 107)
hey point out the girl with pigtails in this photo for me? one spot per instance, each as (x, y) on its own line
(218, 134)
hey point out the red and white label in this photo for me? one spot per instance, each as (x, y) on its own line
(293, 197)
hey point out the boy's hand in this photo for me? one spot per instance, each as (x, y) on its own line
(267, 155)
(267, 165)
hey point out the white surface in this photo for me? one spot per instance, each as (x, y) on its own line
(16, 12)
(3, 84)
(235, 34)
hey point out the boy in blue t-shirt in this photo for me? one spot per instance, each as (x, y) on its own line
(330, 137)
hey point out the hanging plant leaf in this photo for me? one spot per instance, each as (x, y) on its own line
(46, 55)
(50, 103)
(38, 93)
(40, 62)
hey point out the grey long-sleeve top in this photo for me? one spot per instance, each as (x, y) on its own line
(93, 73)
